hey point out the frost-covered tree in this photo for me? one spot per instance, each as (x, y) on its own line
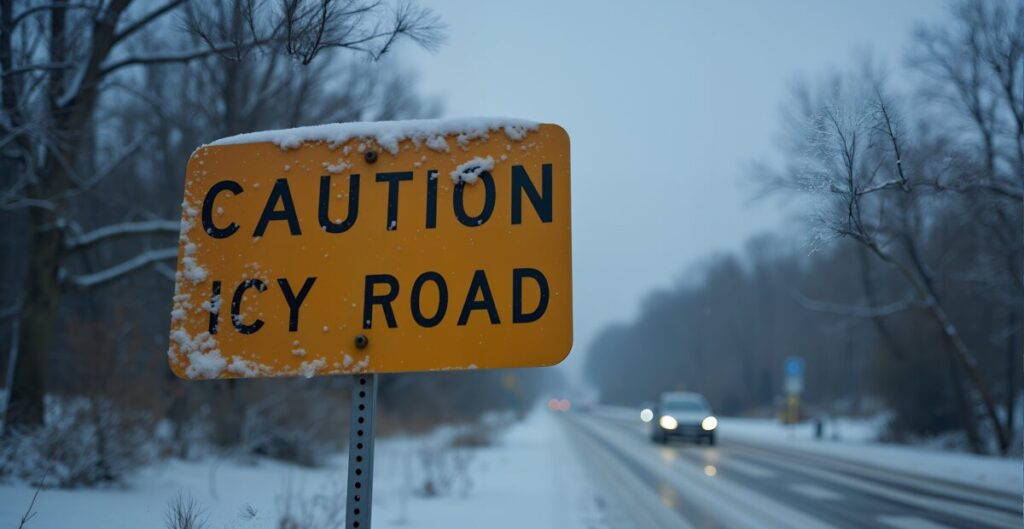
(896, 173)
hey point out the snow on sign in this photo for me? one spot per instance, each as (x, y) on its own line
(373, 248)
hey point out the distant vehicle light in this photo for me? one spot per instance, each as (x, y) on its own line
(553, 404)
(709, 423)
(564, 405)
(647, 415)
(668, 422)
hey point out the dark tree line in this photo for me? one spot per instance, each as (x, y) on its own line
(914, 290)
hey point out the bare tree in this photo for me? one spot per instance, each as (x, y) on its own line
(58, 63)
(893, 191)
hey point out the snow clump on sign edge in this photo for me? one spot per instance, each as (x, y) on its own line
(389, 134)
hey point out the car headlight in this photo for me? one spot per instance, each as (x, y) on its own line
(668, 422)
(709, 423)
(647, 415)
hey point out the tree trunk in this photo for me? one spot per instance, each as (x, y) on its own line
(41, 293)
(1011, 375)
(963, 407)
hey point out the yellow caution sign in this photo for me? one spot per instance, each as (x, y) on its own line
(371, 250)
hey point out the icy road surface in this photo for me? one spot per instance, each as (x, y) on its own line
(759, 477)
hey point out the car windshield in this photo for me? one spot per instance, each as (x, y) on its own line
(684, 406)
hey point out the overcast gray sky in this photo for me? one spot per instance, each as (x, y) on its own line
(666, 104)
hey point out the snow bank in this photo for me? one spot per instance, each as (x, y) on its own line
(531, 479)
(388, 134)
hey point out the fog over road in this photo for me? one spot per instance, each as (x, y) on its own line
(744, 484)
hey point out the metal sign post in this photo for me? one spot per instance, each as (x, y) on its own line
(359, 493)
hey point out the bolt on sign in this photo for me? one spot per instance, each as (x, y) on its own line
(373, 248)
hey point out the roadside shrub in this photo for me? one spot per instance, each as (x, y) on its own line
(85, 441)
(302, 425)
(184, 512)
(322, 510)
(445, 465)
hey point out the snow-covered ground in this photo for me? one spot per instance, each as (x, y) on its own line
(529, 478)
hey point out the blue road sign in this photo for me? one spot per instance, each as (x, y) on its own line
(795, 366)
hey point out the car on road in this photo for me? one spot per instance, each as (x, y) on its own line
(683, 415)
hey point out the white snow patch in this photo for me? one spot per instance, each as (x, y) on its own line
(437, 143)
(212, 306)
(191, 268)
(205, 365)
(204, 358)
(362, 364)
(336, 168)
(309, 369)
(469, 172)
(388, 134)
(244, 367)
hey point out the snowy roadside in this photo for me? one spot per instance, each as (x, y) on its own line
(529, 478)
(856, 443)
(855, 440)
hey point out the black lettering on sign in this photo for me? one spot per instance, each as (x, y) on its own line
(283, 194)
(215, 307)
(460, 207)
(393, 179)
(294, 301)
(518, 274)
(323, 212)
(384, 300)
(541, 202)
(431, 199)
(236, 307)
(479, 284)
(208, 226)
(442, 299)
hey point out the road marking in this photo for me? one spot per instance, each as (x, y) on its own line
(915, 499)
(750, 469)
(910, 522)
(815, 492)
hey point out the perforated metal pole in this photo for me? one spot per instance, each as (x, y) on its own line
(359, 502)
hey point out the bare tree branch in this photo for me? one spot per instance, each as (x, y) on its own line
(125, 229)
(48, 7)
(36, 67)
(145, 20)
(110, 274)
(858, 311)
(178, 57)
